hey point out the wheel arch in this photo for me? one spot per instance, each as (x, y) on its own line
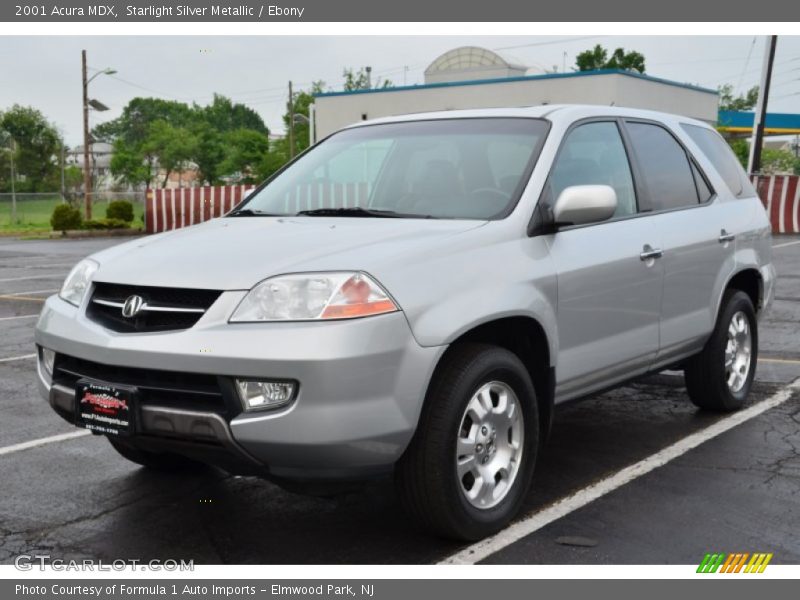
(525, 337)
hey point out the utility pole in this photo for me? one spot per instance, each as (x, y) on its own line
(87, 167)
(369, 78)
(291, 122)
(760, 117)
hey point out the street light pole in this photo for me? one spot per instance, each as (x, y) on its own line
(87, 167)
(291, 121)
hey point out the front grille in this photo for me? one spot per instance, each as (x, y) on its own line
(188, 391)
(164, 309)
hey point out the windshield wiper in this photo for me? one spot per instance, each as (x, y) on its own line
(358, 211)
(249, 212)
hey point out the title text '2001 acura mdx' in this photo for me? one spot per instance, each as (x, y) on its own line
(414, 295)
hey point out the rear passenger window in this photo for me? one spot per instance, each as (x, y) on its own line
(722, 157)
(666, 169)
(593, 154)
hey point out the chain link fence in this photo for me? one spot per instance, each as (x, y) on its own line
(31, 211)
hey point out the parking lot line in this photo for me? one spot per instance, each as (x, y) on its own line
(15, 294)
(13, 358)
(27, 277)
(480, 550)
(788, 361)
(786, 244)
(61, 437)
(18, 317)
(23, 298)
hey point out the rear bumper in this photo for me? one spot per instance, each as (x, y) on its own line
(361, 387)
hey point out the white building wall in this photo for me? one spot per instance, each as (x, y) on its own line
(337, 111)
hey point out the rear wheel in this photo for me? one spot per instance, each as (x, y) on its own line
(720, 377)
(467, 470)
(157, 461)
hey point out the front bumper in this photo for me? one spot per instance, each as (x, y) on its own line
(361, 387)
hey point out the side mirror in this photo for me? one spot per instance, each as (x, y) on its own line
(582, 204)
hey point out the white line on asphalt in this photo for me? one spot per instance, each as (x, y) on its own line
(32, 292)
(18, 317)
(480, 550)
(57, 276)
(786, 244)
(61, 437)
(13, 358)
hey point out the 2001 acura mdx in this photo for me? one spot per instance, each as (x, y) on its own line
(414, 295)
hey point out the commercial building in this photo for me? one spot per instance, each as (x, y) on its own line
(473, 77)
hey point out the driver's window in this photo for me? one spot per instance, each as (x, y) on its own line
(593, 154)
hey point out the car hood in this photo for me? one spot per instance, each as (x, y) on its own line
(236, 253)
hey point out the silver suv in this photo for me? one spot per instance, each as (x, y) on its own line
(413, 296)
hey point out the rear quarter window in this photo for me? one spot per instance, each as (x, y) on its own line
(722, 157)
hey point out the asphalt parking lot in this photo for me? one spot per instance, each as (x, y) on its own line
(75, 498)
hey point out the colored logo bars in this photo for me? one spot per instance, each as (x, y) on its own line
(734, 563)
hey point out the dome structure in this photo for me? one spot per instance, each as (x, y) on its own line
(470, 63)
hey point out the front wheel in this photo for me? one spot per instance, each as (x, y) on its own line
(468, 468)
(720, 377)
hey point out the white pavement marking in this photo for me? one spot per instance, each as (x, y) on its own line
(13, 358)
(61, 437)
(32, 292)
(786, 244)
(18, 317)
(57, 276)
(480, 550)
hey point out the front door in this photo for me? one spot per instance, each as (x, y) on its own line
(609, 274)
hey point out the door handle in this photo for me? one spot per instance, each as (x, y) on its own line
(650, 253)
(725, 237)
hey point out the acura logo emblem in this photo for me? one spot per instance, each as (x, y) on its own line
(132, 307)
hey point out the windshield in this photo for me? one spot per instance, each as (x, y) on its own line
(450, 168)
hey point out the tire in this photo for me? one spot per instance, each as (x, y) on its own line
(708, 375)
(427, 476)
(157, 461)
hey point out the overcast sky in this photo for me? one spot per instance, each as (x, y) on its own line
(44, 72)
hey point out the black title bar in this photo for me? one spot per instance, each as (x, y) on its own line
(189, 11)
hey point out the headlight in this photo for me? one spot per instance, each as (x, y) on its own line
(77, 282)
(312, 296)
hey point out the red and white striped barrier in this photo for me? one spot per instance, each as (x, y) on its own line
(168, 209)
(781, 197)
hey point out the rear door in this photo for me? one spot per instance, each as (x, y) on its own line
(691, 226)
(609, 296)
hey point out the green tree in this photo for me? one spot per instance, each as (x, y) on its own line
(139, 114)
(302, 106)
(36, 145)
(223, 115)
(173, 147)
(742, 102)
(130, 164)
(171, 135)
(780, 162)
(246, 150)
(360, 80)
(597, 58)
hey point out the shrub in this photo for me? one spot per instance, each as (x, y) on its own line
(120, 209)
(105, 224)
(65, 217)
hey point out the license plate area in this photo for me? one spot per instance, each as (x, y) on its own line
(105, 408)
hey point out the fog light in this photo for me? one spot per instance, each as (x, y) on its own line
(258, 395)
(48, 360)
